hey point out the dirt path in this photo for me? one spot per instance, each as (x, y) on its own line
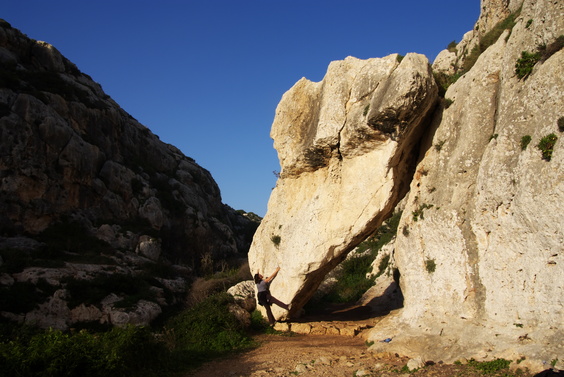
(326, 355)
(292, 354)
(306, 355)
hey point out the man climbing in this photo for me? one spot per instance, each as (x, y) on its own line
(264, 297)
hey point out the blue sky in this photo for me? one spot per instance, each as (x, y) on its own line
(206, 76)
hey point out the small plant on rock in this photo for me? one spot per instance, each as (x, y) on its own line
(490, 367)
(525, 140)
(525, 64)
(439, 145)
(418, 213)
(430, 265)
(561, 124)
(276, 240)
(546, 145)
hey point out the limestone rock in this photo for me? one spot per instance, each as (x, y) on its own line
(242, 315)
(482, 251)
(479, 249)
(149, 247)
(244, 294)
(346, 147)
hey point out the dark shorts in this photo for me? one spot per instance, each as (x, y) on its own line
(264, 298)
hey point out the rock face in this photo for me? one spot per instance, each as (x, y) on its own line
(479, 247)
(78, 171)
(345, 145)
(481, 252)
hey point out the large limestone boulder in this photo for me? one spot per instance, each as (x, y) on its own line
(480, 251)
(345, 146)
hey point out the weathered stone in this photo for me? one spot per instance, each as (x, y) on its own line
(318, 329)
(481, 251)
(54, 313)
(243, 316)
(416, 363)
(365, 116)
(282, 326)
(149, 247)
(86, 313)
(244, 294)
(349, 330)
(301, 328)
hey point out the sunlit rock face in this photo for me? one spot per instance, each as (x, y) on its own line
(480, 249)
(346, 147)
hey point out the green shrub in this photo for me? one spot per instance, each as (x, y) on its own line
(120, 352)
(525, 64)
(207, 330)
(525, 140)
(195, 335)
(561, 124)
(419, 213)
(351, 275)
(490, 367)
(276, 240)
(444, 81)
(546, 145)
(488, 39)
(430, 265)
(452, 46)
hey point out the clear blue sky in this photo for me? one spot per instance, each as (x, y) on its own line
(206, 75)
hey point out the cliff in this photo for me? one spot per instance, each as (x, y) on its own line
(479, 248)
(88, 192)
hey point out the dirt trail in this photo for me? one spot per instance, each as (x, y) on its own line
(280, 355)
(325, 355)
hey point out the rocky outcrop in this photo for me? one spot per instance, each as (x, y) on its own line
(346, 150)
(480, 252)
(85, 180)
(479, 246)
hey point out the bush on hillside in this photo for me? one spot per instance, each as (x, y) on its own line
(129, 351)
(206, 330)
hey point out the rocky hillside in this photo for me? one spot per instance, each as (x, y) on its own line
(89, 193)
(476, 153)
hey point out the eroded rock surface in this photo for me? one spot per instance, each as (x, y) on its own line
(480, 248)
(346, 150)
(84, 181)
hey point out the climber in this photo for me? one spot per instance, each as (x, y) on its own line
(264, 297)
